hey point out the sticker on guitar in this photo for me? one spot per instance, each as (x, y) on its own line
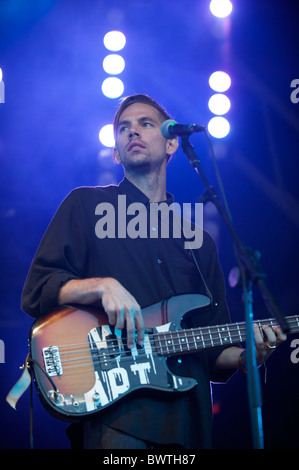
(119, 369)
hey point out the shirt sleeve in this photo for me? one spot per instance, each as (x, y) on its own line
(60, 257)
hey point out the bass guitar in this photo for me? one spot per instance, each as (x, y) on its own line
(81, 364)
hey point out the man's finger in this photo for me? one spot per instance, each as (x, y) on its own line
(140, 327)
(130, 327)
(271, 336)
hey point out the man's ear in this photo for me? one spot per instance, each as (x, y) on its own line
(171, 146)
(116, 155)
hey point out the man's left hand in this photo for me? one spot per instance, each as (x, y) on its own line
(267, 343)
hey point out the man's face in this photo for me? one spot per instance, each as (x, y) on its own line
(139, 142)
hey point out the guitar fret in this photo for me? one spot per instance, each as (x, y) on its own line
(170, 342)
(230, 338)
(188, 343)
(180, 344)
(220, 337)
(239, 333)
(184, 344)
(224, 338)
(160, 343)
(216, 336)
(211, 337)
(197, 339)
(203, 341)
(194, 340)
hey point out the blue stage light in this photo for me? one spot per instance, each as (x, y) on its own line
(221, 8)
(112, 87)
(219, 104)
(106, 136)
(114, 41)
(220, 81)
(218, 127)
(113, 64)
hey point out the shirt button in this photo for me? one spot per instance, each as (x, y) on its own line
(154, 229)
(159, 261)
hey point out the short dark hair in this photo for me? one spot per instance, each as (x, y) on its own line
(139, 98)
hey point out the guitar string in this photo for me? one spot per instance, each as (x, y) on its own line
(105, 362)
(205, 334)
(174, 338)
(105, 358)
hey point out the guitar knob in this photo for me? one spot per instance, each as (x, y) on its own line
(58, 398)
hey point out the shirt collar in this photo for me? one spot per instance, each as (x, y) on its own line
(135, 195)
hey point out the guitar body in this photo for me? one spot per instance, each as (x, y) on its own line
(81, 364)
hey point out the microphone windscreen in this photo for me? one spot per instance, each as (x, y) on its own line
(164, 129)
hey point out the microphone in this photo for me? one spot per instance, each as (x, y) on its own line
(171, 129)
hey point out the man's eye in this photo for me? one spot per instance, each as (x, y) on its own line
(147, 124)
(122, 129)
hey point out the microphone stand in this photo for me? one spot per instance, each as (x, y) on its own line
(251, 273)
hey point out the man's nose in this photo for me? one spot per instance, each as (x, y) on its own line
(134, 132)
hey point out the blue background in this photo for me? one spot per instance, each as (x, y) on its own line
(51, 55)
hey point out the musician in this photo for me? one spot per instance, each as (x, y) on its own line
(75, 265)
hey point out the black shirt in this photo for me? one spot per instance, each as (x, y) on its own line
(151, 269)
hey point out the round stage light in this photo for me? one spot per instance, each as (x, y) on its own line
(218, 127)
(112, 87)
(106, 136)
(220, 81)
(221, 8)
(113, 64)
(114, 41)
(219, 104)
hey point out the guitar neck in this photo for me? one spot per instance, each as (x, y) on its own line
(176, 342)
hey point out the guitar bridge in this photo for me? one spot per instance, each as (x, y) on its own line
(52, 361)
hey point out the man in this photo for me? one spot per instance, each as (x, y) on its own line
(75, 265)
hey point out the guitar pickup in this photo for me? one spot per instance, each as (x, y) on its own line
(52, 361)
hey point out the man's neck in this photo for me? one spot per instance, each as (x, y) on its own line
(152, 185)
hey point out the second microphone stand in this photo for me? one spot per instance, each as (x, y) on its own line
(251, 273)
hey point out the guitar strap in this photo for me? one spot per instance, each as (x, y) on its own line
(191, 250)
(21, 386)
(19, 389)
(201, 275)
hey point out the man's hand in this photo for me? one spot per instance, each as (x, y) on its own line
(266, 345)
(121, 307)
(122, 310)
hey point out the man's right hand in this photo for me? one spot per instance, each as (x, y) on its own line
(121, 307)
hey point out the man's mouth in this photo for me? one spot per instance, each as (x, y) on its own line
(135, 146)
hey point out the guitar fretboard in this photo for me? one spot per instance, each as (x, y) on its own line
(176, 342)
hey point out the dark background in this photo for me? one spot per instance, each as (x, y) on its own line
(51, 56)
